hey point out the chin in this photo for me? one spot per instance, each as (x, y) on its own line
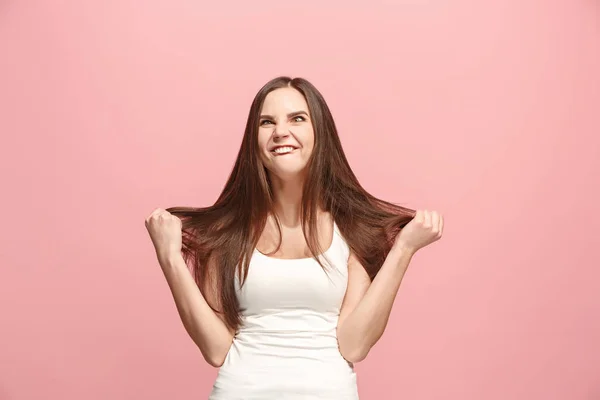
(288, 173)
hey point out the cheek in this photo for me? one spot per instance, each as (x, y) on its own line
(262, 142)
(263, 153)
(261, 138)
(310, 140)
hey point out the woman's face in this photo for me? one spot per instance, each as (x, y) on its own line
(285, 133)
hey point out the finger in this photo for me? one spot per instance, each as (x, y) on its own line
(164, 214)
(418, 216)
(156, 212)
(435, 221)
(426, 219)
(152, 214)
(441, 230)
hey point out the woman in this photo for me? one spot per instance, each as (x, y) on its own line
(295, 267)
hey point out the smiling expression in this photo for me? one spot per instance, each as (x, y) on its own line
(285, 133)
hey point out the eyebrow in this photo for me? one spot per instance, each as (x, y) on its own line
(290, 115)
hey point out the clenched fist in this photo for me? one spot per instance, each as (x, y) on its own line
(425, 228)
(165, 231)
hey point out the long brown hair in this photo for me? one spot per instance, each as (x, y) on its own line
(218, 241)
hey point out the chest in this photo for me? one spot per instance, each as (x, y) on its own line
(291, 241)
(301, 284)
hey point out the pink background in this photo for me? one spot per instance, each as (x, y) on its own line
(484, 110)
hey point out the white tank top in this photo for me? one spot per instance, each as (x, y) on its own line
(287, 346)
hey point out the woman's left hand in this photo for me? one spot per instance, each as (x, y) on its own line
(425, 228)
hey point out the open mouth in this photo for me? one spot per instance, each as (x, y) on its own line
(283, 150)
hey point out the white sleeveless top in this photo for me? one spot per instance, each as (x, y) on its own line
(287, 346)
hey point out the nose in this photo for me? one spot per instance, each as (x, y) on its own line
(281, 130)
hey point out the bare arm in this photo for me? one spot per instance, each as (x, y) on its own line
(367, 305)
(206, 328)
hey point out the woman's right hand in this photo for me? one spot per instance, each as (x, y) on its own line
(165, 231)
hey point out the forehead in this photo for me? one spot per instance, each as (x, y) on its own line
(284, 100)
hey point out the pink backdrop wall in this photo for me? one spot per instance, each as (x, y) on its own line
(484, 110)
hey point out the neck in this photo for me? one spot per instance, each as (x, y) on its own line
(287, 195)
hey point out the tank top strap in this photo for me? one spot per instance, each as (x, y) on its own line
(338, 240)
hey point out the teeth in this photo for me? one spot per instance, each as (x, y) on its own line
(283, 149)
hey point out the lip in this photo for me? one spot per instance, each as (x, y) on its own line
(272, 150)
